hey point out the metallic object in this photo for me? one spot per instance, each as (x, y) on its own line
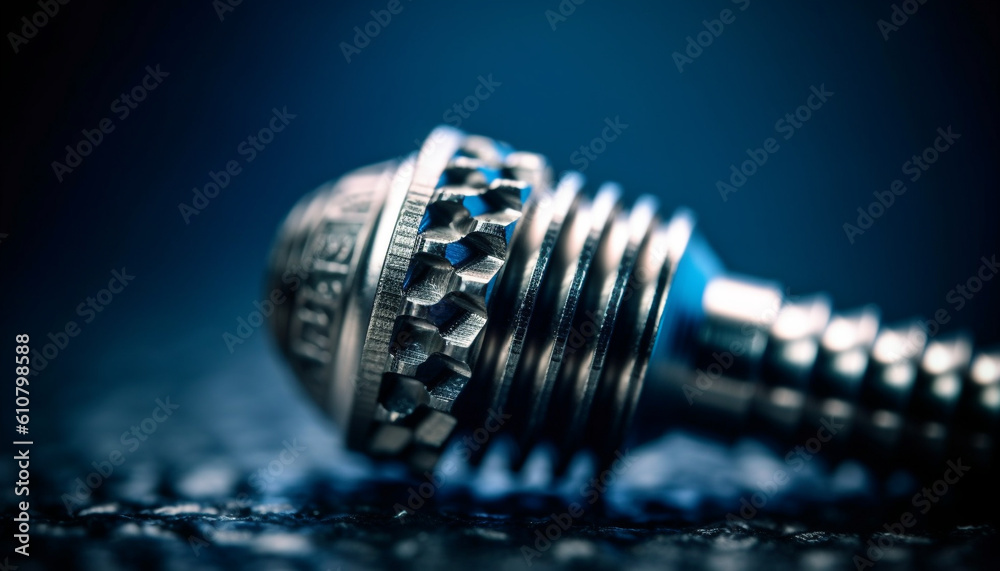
(463, 286)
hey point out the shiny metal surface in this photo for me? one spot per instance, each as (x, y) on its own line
(466, 283)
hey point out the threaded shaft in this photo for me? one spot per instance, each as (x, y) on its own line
(789, 370)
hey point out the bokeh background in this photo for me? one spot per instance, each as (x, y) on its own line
(162, 336)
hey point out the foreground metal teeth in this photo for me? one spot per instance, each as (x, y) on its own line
(460, 245)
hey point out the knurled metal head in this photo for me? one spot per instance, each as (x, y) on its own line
(388, 274)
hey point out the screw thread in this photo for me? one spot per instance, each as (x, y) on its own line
(794, 372)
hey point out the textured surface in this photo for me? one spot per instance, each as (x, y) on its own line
(245, 475)
(325, 536)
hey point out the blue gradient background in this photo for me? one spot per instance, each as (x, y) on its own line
(163, 334)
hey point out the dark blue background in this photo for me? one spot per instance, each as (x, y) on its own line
(163, 334)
